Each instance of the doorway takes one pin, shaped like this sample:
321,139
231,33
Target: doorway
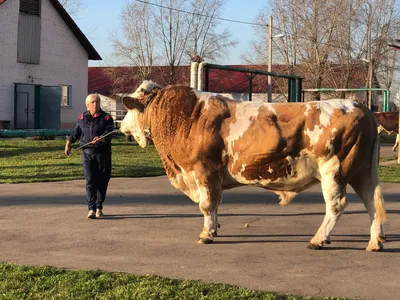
37,106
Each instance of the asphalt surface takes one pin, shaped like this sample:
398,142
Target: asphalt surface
151,228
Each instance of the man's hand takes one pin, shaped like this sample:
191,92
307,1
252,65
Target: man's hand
97,139
67,150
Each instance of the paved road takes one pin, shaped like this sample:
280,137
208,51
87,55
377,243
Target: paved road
151,228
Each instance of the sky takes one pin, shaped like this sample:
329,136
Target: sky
99,19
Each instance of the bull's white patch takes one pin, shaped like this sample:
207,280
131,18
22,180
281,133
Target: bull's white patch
308,108
270,170
131,125
271,108
205,97
146,85
314,134
246,114
329,142
327,108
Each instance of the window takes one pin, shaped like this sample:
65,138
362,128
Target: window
66,95
29,30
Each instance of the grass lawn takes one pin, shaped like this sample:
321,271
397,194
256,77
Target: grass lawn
44,282
23,160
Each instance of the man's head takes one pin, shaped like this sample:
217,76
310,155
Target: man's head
93,103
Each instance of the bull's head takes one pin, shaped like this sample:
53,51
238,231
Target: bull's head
136,104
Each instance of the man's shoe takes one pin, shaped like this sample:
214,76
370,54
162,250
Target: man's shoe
99,213
91,215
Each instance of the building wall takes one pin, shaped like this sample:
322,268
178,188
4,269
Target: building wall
63,61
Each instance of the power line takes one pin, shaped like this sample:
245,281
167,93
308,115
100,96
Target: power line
201,15
223,19
237,21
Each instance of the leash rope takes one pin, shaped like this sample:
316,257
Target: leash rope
100,137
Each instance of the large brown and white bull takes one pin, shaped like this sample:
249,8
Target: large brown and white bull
209,143
388,122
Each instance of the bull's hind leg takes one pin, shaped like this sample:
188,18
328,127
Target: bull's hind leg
333,190
396,143
367,189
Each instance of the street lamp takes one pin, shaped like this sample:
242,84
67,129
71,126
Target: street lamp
270,38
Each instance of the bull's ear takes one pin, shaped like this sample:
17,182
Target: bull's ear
132,103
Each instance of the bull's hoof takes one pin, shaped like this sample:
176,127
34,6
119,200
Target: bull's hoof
374,248
314,246
214,234
328,240
204,241
382,238
218,225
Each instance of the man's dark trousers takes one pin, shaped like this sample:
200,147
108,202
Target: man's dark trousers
97,171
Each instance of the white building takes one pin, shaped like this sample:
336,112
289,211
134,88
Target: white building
43,65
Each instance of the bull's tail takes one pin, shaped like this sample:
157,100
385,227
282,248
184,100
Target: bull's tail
378,197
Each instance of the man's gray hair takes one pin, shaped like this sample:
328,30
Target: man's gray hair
92,97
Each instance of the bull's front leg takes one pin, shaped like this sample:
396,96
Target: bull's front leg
209,201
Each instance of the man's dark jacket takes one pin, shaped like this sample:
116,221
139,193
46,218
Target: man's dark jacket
89,126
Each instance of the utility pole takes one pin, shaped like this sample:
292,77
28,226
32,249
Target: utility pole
269,59
370,76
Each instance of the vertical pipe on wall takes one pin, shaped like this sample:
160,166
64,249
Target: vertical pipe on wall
193,74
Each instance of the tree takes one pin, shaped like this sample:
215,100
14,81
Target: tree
173,32
169,32
204,42
73,7
320,42
136,46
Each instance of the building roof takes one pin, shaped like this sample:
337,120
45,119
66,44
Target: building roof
92,53
111,80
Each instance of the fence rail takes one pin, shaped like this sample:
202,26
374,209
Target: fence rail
118,115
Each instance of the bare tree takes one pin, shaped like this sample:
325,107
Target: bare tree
173,32
169,32
326,48
73,7
136,46
382,22
204,43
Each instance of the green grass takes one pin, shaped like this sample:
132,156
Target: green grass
390,174
45,282
23,160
